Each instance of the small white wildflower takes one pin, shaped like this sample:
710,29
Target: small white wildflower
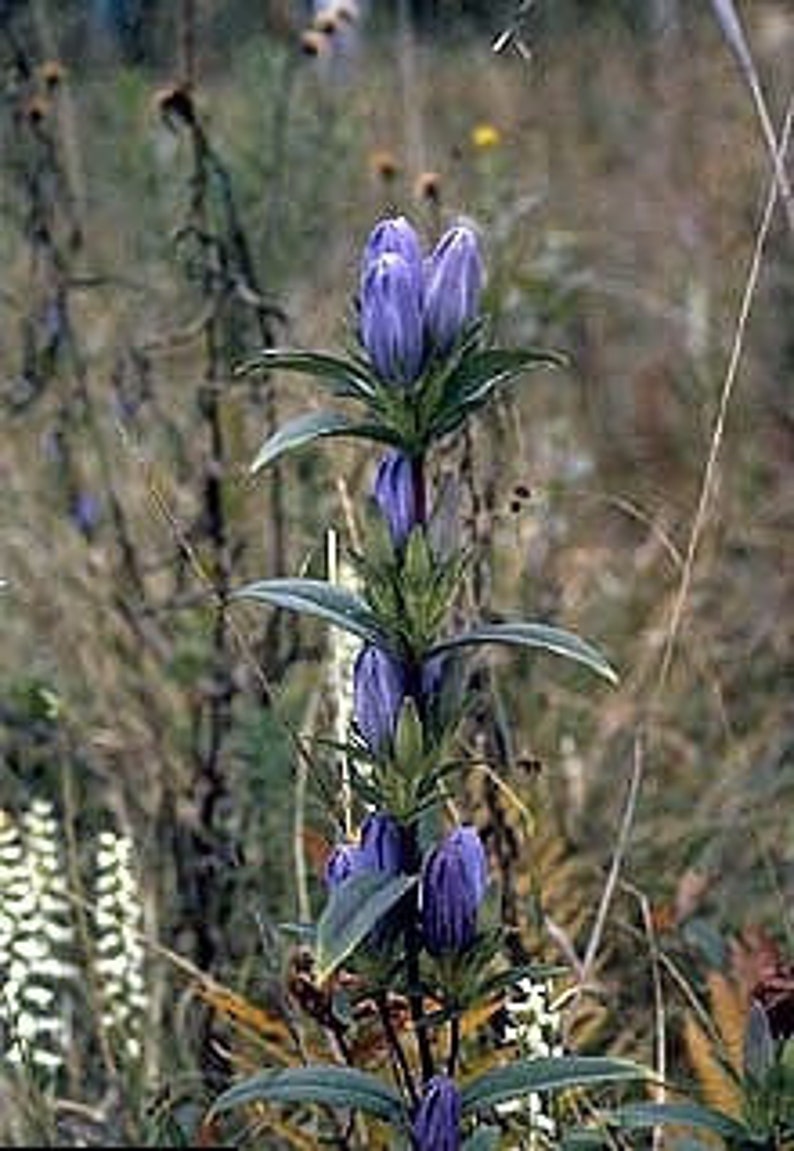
534,1027
120,958
36,936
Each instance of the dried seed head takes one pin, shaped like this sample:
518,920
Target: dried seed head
326,22
428,187
53,73
175,104
384,166
346,11
314,43
37,109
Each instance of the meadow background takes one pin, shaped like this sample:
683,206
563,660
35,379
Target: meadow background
183,184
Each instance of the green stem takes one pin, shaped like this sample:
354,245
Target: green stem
454,1046
412,950
402,1070
420,489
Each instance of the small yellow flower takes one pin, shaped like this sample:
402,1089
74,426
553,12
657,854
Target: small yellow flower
486,136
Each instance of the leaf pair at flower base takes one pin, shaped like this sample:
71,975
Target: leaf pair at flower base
348,611
351,1089
409,420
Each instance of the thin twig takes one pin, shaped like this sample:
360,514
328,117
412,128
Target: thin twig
660,1090
621,846
400,1065
728,20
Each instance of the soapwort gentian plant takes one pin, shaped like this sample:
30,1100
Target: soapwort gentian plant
408,903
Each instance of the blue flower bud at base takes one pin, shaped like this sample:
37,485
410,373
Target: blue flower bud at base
436,1124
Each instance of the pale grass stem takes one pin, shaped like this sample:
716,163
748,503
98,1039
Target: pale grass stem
718,431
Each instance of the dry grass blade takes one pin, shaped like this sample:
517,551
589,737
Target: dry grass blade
718,432
728,19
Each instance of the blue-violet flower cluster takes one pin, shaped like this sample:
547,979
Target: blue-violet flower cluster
414,307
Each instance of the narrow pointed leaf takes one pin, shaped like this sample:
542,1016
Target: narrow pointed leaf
320,1083
641,1116
483,1138
343,377
537,635
336,605
352,910
313,426
484,371
518,1079
480,375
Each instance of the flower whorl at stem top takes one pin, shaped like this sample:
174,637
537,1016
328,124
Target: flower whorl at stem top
454,879
412,307
395,495
436,1125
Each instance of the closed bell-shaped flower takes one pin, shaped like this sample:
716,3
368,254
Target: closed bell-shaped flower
453,286
454,879
391,319
395,495
379,689
436,1124
397,236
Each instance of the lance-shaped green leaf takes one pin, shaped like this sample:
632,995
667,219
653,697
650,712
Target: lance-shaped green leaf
352,910
483,1138
343,377
537,635
313,426
642,1116
330,602
517,1079
319,1083
480,375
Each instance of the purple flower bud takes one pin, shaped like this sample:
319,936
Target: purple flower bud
436,1125
397,236
395,495
382,844
86,513
345,860
433,671
453,885
453,283
378,693
391,318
